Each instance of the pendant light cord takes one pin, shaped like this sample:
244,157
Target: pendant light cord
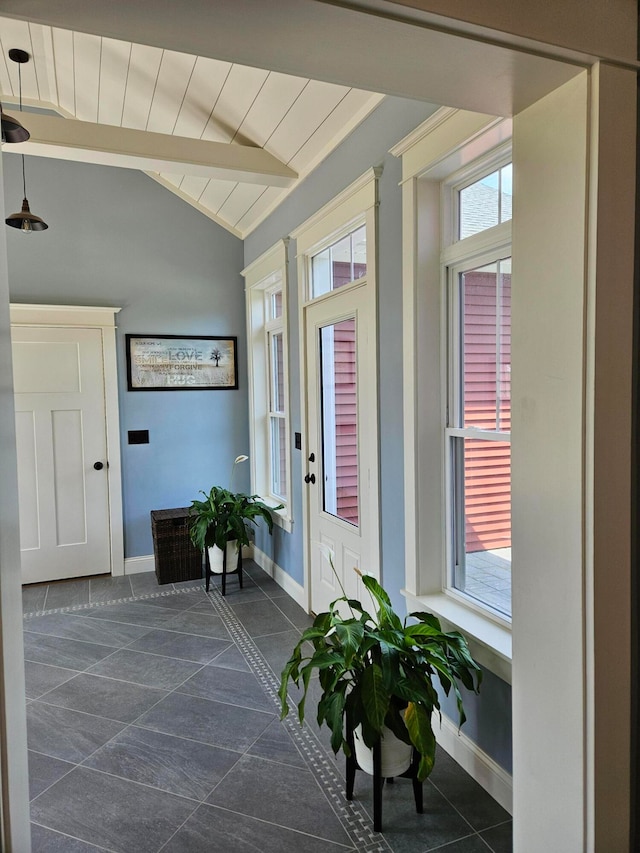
24,180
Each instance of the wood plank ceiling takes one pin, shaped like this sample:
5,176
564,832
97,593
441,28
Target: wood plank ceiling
105,81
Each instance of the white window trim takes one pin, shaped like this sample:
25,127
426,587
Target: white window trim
444,149
263,276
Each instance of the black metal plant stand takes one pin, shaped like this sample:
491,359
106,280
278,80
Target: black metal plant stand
225,572
378,779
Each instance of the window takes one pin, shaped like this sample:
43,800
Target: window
456,180
477,437
485,202
274,343
477,433
339,264
268,380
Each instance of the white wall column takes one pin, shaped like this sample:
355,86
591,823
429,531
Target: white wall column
548,326
15,831
573,240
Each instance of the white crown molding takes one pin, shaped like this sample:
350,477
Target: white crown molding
273,259
422,130
62,315
366,179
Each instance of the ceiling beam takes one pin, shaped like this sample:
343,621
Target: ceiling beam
108,145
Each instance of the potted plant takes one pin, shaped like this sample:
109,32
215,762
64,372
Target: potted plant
377,674
220,521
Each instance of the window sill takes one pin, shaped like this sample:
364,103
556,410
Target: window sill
281,517
489,642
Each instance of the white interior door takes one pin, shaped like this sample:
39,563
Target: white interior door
341,475
61,444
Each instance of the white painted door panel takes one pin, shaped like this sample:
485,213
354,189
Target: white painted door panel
60,426
342,438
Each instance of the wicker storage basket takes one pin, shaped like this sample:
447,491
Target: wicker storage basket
177,559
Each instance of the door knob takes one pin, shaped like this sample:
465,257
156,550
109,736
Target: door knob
98,466
312,457
310,478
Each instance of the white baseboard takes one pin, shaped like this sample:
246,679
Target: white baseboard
279,575
475,761
136,565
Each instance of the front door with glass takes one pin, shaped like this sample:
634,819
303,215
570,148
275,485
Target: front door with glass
341,468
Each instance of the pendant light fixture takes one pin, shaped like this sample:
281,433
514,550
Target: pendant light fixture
24,220
12,130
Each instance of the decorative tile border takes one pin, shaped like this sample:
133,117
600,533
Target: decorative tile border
353,816
73,608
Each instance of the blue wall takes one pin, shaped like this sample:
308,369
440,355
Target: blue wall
117,238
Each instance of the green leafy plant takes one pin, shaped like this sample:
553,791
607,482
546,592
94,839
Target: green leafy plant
378,671
223,516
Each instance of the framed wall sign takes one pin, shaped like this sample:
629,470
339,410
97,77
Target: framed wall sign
181,363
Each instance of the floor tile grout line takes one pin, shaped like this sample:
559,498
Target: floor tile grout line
55,782
128,648
454,807
485,842
126,680
277,825
495,825
135,724
78,640
167,690
148,628
229,705
123,723
454,841
173,834
457,811
347,815
233,766
46,693
156,731
74,837
174,657
146,785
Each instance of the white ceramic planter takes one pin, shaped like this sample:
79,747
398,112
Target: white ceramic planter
215,557
395,754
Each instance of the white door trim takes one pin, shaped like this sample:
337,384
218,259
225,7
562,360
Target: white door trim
103,319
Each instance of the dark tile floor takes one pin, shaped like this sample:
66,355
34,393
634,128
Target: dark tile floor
153,726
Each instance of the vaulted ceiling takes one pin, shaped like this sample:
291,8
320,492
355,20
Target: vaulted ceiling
231,140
